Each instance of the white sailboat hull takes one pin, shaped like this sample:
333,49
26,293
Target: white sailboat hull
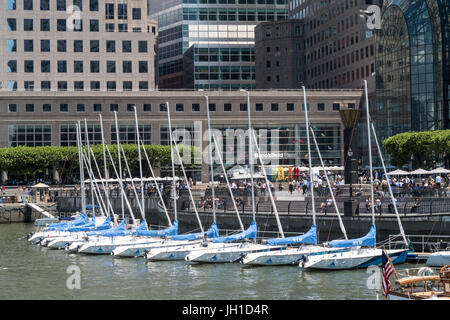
283,256
438,259
228,253
179,252
351,259
106,246
141,249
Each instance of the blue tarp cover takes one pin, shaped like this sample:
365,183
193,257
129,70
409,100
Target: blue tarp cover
369,240
250,233
110,232
92,226
309,237
171,231
213,232
82,219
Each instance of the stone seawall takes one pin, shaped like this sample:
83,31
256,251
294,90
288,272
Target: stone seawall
18,212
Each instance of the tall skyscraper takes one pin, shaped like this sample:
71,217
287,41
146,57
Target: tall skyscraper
79,45
209,44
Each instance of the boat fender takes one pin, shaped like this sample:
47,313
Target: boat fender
241,257
30,235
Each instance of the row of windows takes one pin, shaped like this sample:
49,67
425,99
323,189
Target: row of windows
231,14
278,2
179,107
345,78
78,46
78,66
64,25
78,85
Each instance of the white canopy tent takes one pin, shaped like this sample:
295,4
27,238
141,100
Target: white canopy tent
398,172
440,170
420,172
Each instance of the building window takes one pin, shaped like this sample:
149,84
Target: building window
110,46
93,5
143,46
29,107
143,85
77,45
29,66
136,13
68,134
45,45
162,107
111,86
29,135
28,46
114,107
97,107
127,86
351,106
45,5
147,107
46,107
12,85
274,107
78,66
78,85
11,24
45,66
81,107
109,27
27,4
94,45
63,107
127,134
228,107
45,24
179,107
259,107
303,107
290,107
126,46
111,66
61,25
62,66
28,85
320,107
11,4
122,11
12,66
196,107
95,85
93,25
95,66
143,67
62,85
130,107
45,85
243,107
12,107
212,107
127,66
78,3
61,45
336,107
61,5
27,24
123,27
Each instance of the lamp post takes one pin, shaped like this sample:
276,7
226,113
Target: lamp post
350,119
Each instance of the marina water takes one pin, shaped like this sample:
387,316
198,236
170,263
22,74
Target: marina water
33,272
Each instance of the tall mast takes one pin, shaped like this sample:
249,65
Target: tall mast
119,161
211,163
80,158
311,177
250,155
173,164
390,189
228,183
369,141
138,140
89,160
105,164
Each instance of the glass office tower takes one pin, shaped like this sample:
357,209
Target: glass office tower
412,67
210,44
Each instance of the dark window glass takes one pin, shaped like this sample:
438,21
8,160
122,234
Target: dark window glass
45,85
127,86
63,107
29,85
46,107
143,46
95,85
77,45
61,45
274,107
62,85
127,66
143,67
27,4
61,24
136,13
95,66
45,24
94,45
12,66
27,24
126,46
143,85
110,46
212,107
61,5
81,107
243,107
11,24
78,85
147,107
93,25
45,45
97,107
196,107
45,65
29,66
93,5
320,107
110,66
29,107
290,107
227,107
45,5
179,107
28,45
111,86
78,66
114,107
62,66
12,107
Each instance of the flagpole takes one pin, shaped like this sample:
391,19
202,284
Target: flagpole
395,271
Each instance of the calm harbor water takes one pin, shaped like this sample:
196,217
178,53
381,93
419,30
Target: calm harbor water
32,272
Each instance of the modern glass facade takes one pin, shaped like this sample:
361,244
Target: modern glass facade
412,67
197,35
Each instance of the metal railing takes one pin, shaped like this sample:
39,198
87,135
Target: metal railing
427,243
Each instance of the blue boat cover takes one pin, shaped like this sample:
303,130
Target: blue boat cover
82,219
171,231
250,233
90,206
110,232
309,237
369,240
92,226
213,232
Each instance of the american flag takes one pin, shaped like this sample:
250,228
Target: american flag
387,271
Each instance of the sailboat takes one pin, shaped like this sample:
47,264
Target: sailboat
172,240
363,252
232,250
295,248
